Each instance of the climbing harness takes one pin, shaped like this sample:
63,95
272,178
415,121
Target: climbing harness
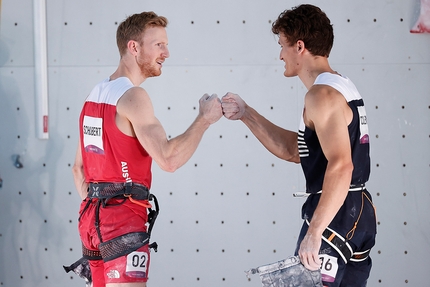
100,194
341,244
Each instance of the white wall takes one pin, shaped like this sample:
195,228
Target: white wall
230,207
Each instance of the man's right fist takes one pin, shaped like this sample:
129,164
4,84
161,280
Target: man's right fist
210,108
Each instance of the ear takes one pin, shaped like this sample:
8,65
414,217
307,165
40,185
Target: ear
300,46
132,47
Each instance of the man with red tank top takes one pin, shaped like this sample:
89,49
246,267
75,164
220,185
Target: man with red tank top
119,138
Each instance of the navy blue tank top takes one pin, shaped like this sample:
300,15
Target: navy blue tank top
314,163
312,158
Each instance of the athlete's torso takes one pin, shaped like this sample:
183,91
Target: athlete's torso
314,163
312,158
108,154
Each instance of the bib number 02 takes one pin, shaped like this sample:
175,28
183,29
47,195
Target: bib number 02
137,263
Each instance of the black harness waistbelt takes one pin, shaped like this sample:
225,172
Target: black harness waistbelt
107,190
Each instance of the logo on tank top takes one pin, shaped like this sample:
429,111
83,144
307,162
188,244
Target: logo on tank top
93,135
364,128
113,274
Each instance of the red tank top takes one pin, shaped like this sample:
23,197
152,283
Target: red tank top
108,154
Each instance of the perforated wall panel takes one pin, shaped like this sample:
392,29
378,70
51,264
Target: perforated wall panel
230,207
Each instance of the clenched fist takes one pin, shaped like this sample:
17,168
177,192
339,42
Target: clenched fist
233,107
210,108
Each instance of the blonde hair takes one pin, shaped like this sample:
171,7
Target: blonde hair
134,26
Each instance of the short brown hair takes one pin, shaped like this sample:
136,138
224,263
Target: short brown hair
309,24
134,26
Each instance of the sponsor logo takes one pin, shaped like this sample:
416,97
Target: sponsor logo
113,274
95,192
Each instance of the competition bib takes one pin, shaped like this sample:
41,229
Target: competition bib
93,135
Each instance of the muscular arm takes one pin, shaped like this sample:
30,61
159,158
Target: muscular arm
327,112
79,176
136,108
280,142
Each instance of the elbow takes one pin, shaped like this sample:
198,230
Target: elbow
346,168
295,158
170,169
168,165
340,169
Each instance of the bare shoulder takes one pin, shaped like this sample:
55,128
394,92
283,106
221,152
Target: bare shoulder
134,98
134,94
323,95
322,102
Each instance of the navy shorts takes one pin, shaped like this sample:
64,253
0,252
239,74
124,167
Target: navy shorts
334,271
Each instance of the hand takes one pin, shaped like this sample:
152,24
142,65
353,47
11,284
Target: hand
309,252
210,108
233,107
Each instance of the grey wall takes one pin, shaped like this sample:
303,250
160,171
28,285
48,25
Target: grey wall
230,207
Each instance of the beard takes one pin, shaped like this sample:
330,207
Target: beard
147,67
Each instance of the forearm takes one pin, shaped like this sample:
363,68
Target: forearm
280,142
79,175
80,183
178,151
334,191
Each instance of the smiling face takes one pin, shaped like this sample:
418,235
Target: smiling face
152,51
289,54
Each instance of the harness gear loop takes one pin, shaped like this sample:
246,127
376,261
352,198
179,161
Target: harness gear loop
144,203
152,216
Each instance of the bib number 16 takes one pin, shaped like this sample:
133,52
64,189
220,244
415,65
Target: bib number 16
328,267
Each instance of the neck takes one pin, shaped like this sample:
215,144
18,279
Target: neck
311,68
128,68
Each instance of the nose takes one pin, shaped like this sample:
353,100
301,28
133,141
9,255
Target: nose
166,53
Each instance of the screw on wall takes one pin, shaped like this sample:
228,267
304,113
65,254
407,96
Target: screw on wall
16,162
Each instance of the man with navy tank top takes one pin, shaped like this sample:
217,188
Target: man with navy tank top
332,146
119,138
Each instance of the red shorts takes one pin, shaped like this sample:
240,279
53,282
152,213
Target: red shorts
116,219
